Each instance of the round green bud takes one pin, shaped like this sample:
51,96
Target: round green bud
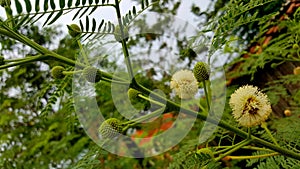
133,94
137,102
2,62
201,71
74,30
295,46
110,128
118,34
206,151
57,72
92,74
5,3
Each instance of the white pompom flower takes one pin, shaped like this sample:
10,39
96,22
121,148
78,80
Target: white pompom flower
184,83
250,106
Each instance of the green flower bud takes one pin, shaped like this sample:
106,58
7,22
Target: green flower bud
110,128
206,151
133,94
57,72
118,34
2,62
136,101
201,71
92,74
5,3
74,30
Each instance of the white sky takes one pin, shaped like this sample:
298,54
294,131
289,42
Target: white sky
108,14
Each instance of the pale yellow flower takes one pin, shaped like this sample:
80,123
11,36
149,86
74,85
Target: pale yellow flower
184,83
297,71
250,106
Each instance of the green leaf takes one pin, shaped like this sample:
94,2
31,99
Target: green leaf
134,10
70,3
84,12
56,17
18,6
93,10
37,5
90,2
62,3
109,27
77,3
101,24
87,23
97,1
52,4
28,6
142,4
83,2
103,1
22,20
94,25
81,25
77,13
46,5
130,15
48,18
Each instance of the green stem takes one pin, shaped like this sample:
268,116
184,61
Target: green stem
11,33
16,60
24,61
224,150
150,100
264,125
115,81
206,94
144,118
251,157
82,51
71,72
245,147
124,46
235,148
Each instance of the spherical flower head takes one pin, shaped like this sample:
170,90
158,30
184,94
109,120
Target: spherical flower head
136,102
110,128
133,94
92,74
74,30
297,71
184,84
201,71
250,106
57,72
118,34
